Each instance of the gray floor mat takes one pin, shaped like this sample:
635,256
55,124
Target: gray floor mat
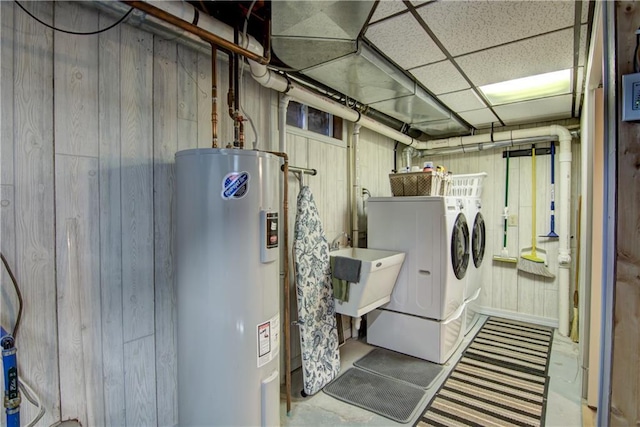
401,367
392,399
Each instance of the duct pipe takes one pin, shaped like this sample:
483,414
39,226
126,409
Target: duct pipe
355,199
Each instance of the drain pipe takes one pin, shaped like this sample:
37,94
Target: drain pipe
283,104
484,147
355,198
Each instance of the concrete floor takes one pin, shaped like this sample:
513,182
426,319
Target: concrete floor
563,402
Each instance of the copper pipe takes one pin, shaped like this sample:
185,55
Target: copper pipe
214,96
230,94
194,29
287,302
240,121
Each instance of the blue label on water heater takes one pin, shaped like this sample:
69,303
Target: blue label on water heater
235,185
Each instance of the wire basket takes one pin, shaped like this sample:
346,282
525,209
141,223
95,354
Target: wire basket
467,185
415,184
445,184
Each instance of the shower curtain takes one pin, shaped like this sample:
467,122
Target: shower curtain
316,309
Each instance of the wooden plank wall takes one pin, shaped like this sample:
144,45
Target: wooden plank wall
625,372
504,289
90,126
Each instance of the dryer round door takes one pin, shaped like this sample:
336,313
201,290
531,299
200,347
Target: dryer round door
478,240
460,246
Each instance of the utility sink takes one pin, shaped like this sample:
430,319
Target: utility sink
378,276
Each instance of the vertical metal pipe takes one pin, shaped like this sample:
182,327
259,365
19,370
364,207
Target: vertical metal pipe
214,96
287,299
355,200
237,134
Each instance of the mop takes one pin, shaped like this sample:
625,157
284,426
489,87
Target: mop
552,233
529,260
504,253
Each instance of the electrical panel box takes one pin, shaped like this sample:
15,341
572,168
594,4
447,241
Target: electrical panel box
631,97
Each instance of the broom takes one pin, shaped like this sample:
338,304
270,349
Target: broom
529,261
574,335
504,253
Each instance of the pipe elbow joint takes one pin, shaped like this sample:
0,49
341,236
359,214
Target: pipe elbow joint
564,259
561,131
409,150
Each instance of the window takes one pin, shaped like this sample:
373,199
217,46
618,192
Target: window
317,121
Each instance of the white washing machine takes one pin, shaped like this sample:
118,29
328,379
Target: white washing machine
425,317
477,243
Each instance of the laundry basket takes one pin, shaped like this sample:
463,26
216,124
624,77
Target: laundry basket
415,184
467,185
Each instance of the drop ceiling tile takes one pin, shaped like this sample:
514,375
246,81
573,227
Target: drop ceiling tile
583,45
404,41
468,26
556,107
418,3
479,118
464,100
441,77
537,55
387,8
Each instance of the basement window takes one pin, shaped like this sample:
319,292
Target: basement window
314,120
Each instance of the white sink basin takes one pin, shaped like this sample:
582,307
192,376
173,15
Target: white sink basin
378,276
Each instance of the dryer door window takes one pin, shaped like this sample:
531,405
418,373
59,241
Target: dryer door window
478,240
460,247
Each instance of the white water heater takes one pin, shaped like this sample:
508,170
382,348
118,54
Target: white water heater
227,287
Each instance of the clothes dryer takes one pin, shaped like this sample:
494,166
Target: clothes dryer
425,317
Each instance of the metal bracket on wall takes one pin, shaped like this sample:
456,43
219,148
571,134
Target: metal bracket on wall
527,152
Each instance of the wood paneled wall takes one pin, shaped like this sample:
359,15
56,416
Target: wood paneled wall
90,126
625,366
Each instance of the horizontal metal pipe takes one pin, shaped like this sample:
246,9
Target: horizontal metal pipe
305,171
194,29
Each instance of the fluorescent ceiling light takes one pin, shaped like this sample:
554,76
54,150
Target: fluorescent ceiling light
532,87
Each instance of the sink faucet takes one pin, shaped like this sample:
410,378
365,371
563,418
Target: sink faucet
335,244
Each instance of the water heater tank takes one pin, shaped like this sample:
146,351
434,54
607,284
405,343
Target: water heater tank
227,287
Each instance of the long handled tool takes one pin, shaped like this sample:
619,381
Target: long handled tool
529,260
574,335
552,233
504,253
